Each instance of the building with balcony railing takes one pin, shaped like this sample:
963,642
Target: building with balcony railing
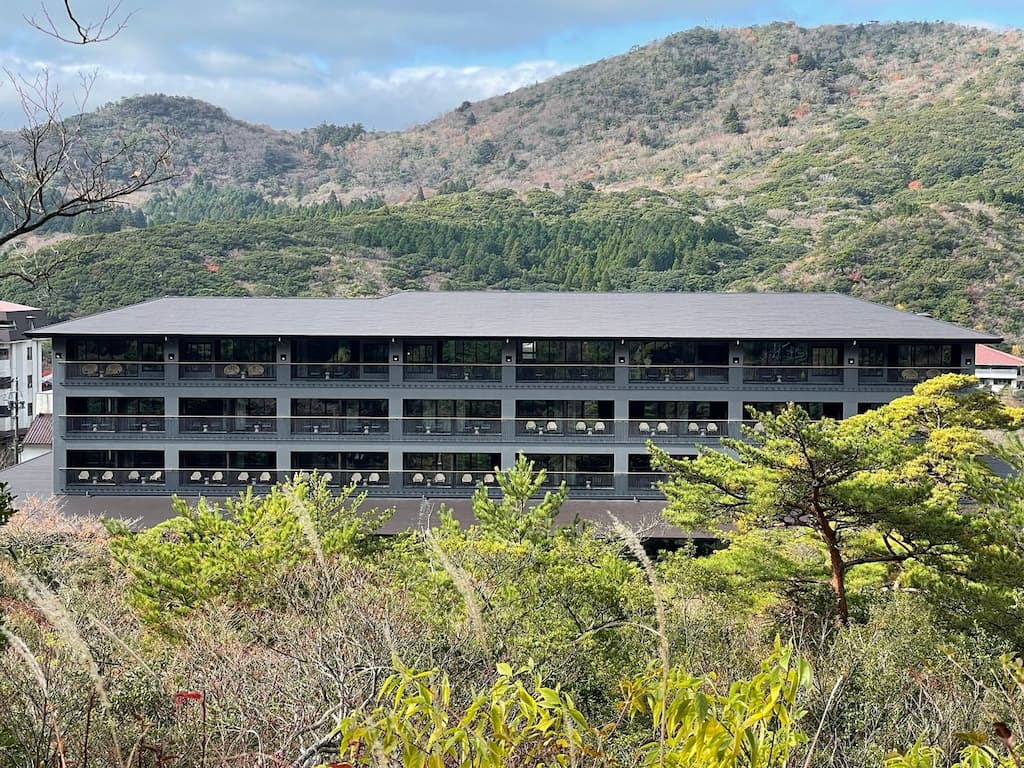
425,394
21,368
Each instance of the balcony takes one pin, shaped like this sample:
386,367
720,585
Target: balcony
261,371
85,370
547,372
686,429
451,372
227,478
798,375
409,429
461,425
108,423
339,371
93,476
565,427
679,374
245,425
339,425
907,376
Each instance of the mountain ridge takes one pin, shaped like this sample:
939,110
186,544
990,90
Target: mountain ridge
882,161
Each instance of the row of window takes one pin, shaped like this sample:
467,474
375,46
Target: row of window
340,351
370,409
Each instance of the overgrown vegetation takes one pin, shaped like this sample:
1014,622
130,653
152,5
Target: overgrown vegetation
279,630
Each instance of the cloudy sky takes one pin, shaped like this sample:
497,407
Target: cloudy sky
385,63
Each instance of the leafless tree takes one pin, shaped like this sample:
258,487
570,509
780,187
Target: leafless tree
82,33
52,168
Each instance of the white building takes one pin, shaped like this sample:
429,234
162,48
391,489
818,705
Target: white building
21,367
997,370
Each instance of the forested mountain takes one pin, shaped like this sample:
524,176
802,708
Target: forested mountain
878,160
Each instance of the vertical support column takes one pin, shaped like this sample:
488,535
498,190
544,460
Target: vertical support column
60,411
736,363
395,469
851,378
172,360
283,361
622,365
508,419
395,362
396,418
508,365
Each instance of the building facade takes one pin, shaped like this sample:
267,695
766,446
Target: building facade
425,394
21,367
997,370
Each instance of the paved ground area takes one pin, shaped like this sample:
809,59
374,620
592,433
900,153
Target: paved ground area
35,478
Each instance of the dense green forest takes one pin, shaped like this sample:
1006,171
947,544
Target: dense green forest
958,262
865,607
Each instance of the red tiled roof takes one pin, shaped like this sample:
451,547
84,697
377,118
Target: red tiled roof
986,355
40,432
10,306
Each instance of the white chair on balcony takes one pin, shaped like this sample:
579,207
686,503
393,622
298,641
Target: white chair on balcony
328,477
107,476
440,478
662,428
84,475
552,426
693,428
157,476
581,426
644,428
488,479
599,428
264,477
467,479
195,477
217,477
417,478
357,477
374,478
134,476
243,477
712,428
531,426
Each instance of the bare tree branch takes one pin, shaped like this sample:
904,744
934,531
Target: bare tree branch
82,33
52,169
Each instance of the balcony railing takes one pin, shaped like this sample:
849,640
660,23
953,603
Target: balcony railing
339,425
262,371
90,476
908,376
115,423
549,372
339,371
107,369
679,428
207,476
645,481
553,426
370,428
227,424
451,425
792,374
451,372
679,374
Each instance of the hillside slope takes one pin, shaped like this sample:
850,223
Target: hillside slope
879,160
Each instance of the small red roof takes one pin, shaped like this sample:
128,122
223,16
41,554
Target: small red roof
41,431
10,306
986,355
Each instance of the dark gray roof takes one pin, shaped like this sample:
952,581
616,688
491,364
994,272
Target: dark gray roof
495,314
